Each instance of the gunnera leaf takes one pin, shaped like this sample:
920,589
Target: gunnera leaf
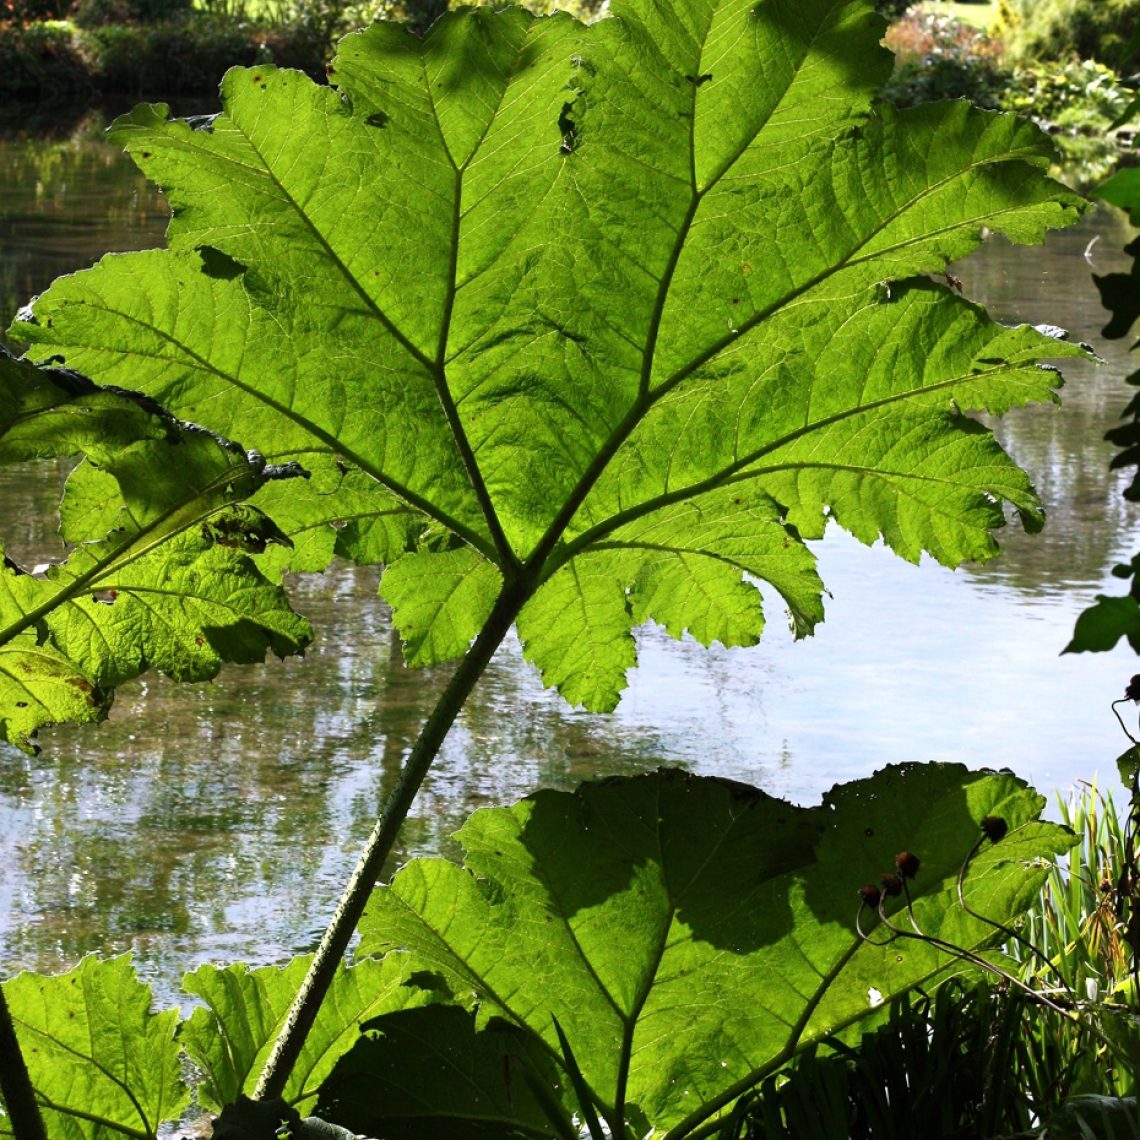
160,574
605,321
102,1064
690,934
230,1036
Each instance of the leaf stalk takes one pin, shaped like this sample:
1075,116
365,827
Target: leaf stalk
16,1084
334,943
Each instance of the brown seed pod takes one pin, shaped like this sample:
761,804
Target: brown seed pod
870,895
1132,689
907,863
892,885
994,828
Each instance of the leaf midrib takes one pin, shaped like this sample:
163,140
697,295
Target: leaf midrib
647,398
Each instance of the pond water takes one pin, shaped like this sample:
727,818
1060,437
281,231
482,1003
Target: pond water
217,821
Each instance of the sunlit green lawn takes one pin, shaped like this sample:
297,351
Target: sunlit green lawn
980,15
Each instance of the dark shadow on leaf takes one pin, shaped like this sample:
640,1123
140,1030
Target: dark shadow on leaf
430,1074
713,852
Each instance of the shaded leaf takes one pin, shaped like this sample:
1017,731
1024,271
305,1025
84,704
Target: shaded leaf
230,1037
1102,625
161,574
690,934
428,1072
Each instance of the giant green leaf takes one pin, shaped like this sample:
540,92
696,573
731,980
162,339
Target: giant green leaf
229,1037
690,934
595,325
102,1065
160,574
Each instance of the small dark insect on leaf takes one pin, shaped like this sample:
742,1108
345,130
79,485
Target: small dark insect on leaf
892,885
955,283
907,863
994,828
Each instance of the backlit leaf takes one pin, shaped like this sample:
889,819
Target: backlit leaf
230,1036
161,573
102,1064
604,322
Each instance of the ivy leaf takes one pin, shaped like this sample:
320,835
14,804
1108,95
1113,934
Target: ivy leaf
229,1038
101,1063
690,934
611,319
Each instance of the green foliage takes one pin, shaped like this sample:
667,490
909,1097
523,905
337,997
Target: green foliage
23,12
942,1066
940,57
41,60
97,13
619,443
1110,618
1086,934
187,55
102,1064
1076,101
229,1036
160,574
687,935
573,328
1089,29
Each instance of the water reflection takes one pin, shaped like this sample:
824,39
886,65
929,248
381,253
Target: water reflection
218,821
67,198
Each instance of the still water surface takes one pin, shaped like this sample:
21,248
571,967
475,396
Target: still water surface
218,821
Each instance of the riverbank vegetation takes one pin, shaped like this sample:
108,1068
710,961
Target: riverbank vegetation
1066,63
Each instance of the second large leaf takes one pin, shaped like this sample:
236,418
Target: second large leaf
688,935
621,313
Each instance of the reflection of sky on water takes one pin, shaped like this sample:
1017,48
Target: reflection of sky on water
219,821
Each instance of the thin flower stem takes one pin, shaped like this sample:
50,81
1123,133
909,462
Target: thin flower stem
964,954
1011,934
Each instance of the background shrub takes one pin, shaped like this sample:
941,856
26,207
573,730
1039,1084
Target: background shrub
938,57
190,55
25,11
99,13
1062,29
41,61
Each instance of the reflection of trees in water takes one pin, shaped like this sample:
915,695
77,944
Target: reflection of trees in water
66,201
1088,525
233,810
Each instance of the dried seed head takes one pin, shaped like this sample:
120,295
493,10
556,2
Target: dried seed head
892,885
906,863
1132,689
870,895
994,828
